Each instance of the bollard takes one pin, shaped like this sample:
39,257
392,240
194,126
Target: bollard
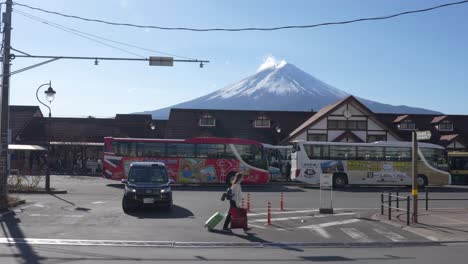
242,204
282,202
381,204
389,206
427,199
269,214
407,209
398,200
248,202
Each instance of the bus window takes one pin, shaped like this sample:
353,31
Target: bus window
252,155
436,157
342,152
181,150
149,149
313,151
397,154
370,153
210,150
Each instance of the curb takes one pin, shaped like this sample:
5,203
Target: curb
39,191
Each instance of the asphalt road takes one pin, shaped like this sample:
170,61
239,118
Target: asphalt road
88,224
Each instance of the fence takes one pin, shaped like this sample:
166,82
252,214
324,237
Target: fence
388,204
426,198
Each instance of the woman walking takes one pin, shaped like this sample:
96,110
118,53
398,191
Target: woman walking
235,199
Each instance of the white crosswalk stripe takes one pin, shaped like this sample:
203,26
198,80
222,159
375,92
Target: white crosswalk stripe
390,235
356,234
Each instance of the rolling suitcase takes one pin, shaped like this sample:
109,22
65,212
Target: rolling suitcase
214,220
238,218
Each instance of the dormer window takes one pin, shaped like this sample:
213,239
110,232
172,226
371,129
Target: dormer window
445,125
207,121
262,122
407,125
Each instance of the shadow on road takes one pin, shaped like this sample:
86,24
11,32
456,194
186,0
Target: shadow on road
159,213
77,208
221,188
10,228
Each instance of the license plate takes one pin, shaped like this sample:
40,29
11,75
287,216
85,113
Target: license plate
148,200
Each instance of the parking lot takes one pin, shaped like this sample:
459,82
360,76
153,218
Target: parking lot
91,213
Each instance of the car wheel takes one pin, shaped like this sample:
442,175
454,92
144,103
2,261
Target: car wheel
126,206
339,181
421,181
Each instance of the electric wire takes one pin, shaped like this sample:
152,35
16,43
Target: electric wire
53,24
248,28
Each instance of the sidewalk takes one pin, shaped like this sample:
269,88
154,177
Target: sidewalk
444,225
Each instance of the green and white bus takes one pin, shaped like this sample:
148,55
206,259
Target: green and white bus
379,163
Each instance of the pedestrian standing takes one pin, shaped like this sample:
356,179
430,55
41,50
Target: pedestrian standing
235,199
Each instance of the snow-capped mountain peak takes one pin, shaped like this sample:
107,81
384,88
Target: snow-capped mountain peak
279,85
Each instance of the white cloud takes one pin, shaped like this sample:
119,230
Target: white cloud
270,61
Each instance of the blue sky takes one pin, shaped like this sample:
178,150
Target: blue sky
418,60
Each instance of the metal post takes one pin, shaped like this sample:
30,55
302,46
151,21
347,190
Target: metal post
381,203
407,210
47,179
397,199
282,202
415,177
389,206
427,199
5,97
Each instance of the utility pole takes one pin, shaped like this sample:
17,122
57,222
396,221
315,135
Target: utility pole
5,98
415,177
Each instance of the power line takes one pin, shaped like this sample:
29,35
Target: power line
53,24
249,28
78,34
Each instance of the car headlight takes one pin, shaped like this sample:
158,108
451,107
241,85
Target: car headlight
130,190
166,190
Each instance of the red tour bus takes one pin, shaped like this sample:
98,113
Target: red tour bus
194,160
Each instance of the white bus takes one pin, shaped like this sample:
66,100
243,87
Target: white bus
278,157
379,163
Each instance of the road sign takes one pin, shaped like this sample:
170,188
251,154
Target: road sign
326,180
423,135
161,61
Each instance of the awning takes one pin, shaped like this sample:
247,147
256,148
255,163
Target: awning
60,143
26,147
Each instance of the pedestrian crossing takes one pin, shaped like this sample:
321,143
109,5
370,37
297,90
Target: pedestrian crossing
344,227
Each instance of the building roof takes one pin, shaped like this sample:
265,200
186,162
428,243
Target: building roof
400,118
438,119
184,123
20,116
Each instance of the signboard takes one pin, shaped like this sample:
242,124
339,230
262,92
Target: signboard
423,135
326,180
161,61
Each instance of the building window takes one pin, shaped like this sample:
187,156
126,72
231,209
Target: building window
407,125
375,138
347,124
446,126
207,121
317,137
262,122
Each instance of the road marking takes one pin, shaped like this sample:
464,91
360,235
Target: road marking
328,224
99,202
39,205
390,235
257,226
355,234
73,215
299,217
321,232
39,215
83,242
285,212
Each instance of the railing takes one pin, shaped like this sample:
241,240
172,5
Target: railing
426,198
388,204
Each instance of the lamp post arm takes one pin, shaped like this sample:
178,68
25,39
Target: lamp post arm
37,96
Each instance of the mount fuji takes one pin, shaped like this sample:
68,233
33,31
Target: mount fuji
278,85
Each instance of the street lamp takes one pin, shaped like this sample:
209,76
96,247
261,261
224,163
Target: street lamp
50,96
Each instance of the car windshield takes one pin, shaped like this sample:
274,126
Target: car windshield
147,174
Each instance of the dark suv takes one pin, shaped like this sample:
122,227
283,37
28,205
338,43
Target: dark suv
148,185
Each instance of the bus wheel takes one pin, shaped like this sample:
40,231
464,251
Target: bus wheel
229,178
339,180
422,180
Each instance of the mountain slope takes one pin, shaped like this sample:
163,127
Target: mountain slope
279,86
